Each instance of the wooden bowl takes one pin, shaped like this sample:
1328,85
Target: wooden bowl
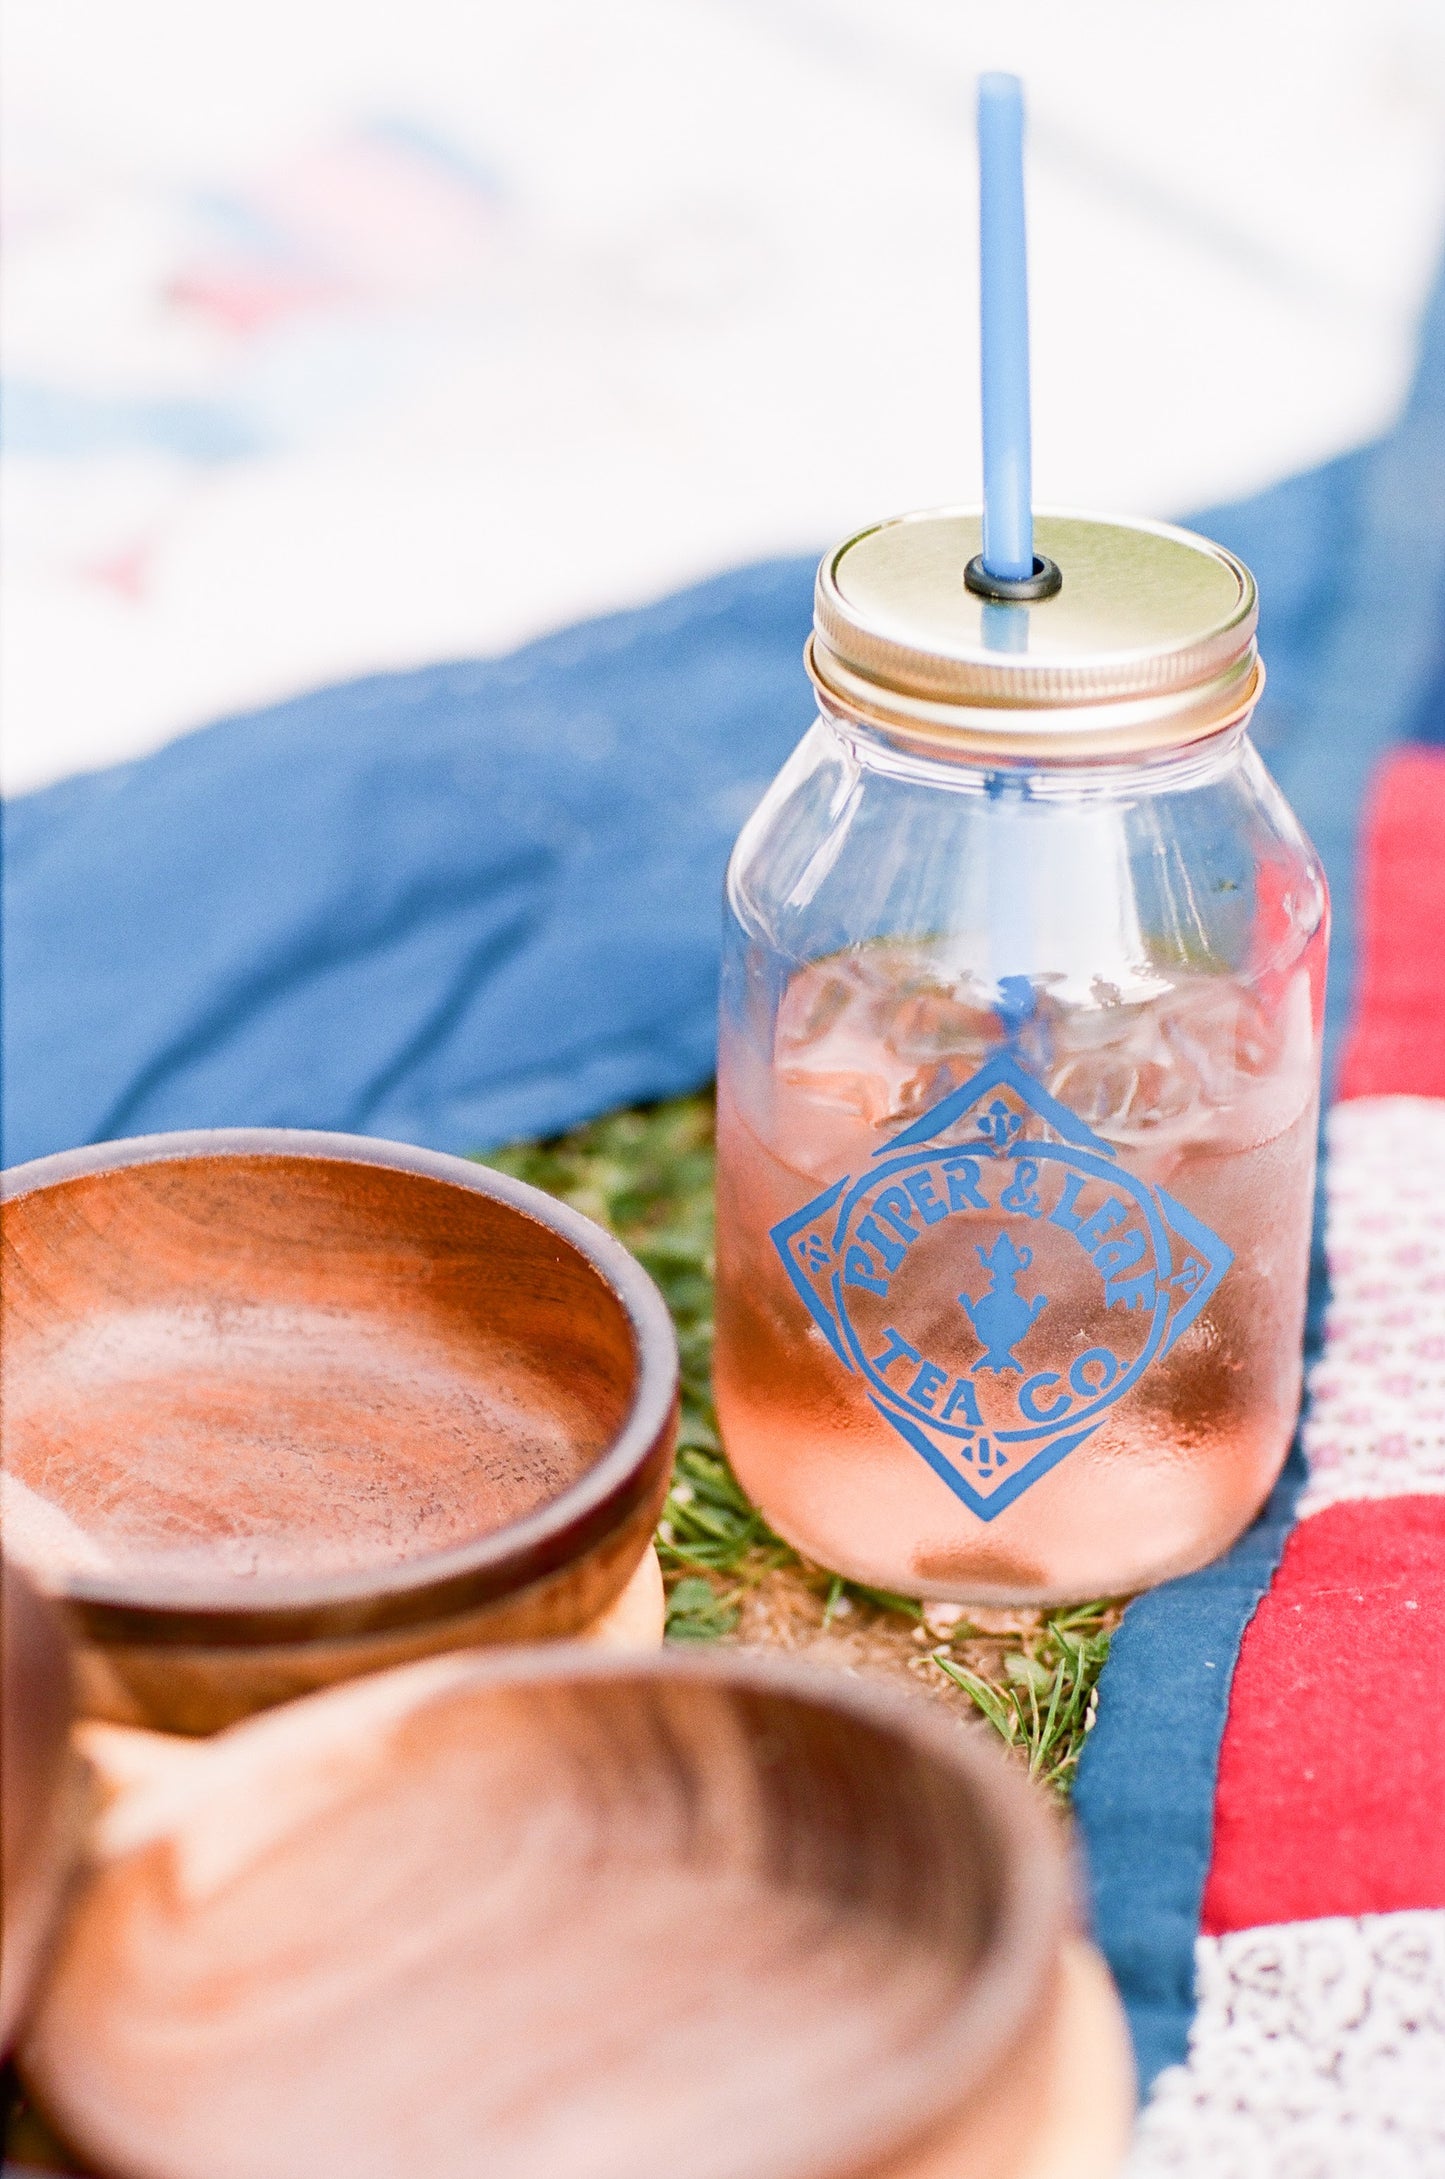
282,1408
40,1801
554,1915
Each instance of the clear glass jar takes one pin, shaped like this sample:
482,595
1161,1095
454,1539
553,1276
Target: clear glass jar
1017,1103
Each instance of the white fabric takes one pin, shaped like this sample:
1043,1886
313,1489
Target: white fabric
1376,1427
1318,2052
352,335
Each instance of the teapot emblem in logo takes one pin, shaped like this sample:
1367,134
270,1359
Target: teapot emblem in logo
1003,1316
998,1281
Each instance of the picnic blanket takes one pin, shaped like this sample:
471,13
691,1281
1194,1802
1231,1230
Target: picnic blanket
1267,1851
481,901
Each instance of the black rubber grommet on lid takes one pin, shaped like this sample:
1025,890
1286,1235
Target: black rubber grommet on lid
1045,582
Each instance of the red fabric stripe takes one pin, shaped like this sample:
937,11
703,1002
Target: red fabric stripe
1397,1040
1332,1774
1331,1796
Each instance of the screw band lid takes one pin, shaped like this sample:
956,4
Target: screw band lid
1147,641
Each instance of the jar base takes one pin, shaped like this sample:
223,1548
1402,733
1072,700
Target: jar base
1006,1597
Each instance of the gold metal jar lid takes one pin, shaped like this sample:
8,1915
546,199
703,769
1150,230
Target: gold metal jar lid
1147,644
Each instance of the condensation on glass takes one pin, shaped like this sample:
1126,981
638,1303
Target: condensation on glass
1019,1077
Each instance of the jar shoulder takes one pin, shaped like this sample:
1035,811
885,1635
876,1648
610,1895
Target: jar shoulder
1076,873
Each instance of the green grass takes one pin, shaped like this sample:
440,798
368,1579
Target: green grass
1044,1703
648,1176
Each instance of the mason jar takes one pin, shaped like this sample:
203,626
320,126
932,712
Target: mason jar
1018,1077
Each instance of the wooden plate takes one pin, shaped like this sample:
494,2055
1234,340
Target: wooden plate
284,1408
556,1915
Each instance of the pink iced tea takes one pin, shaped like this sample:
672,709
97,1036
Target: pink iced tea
1010,1306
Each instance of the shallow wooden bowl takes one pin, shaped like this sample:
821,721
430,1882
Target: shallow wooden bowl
550,1915
282,1408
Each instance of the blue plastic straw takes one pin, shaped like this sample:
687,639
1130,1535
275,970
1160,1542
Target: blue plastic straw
1008,522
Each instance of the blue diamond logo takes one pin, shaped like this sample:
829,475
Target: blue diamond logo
998,1281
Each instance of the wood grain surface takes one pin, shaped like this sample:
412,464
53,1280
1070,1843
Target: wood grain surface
572,1916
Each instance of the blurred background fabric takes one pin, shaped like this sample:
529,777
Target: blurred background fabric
340,338
454,907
